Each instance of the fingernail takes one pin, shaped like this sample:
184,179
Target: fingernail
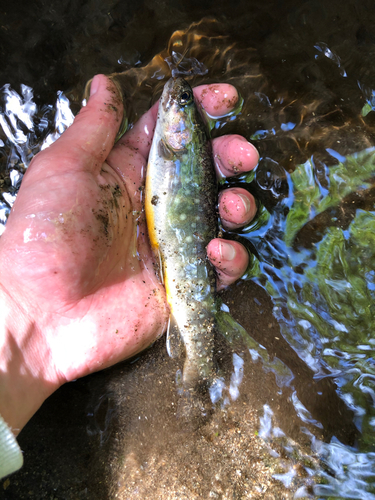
227,251
94,85
246,202
219,165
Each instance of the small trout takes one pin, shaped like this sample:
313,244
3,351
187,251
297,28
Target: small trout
181,194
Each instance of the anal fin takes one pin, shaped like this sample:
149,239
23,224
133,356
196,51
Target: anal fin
175,343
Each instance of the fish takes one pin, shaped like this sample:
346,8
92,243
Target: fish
181,214
182,217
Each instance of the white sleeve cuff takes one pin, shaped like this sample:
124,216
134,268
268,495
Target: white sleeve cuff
11,458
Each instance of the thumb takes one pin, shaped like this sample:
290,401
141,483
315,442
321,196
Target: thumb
86,144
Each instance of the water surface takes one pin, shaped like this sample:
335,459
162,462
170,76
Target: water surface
305,382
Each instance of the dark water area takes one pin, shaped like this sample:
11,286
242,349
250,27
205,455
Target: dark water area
305,408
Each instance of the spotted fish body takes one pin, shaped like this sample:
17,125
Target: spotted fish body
181,191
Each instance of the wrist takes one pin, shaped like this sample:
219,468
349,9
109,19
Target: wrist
26,369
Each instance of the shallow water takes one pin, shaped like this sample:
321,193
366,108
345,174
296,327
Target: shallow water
305,72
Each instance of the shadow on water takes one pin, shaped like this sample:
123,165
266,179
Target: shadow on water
300,404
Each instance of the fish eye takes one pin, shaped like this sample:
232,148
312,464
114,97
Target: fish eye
185,98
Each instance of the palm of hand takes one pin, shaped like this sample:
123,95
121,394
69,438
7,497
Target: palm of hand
79,255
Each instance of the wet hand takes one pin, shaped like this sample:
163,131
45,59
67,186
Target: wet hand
78,286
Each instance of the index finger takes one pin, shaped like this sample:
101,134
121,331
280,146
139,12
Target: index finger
216,99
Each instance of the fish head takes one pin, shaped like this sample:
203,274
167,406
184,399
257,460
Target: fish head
177,115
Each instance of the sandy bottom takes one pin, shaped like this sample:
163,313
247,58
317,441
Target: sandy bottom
117,435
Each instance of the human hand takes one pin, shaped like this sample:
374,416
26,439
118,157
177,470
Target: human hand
78,283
